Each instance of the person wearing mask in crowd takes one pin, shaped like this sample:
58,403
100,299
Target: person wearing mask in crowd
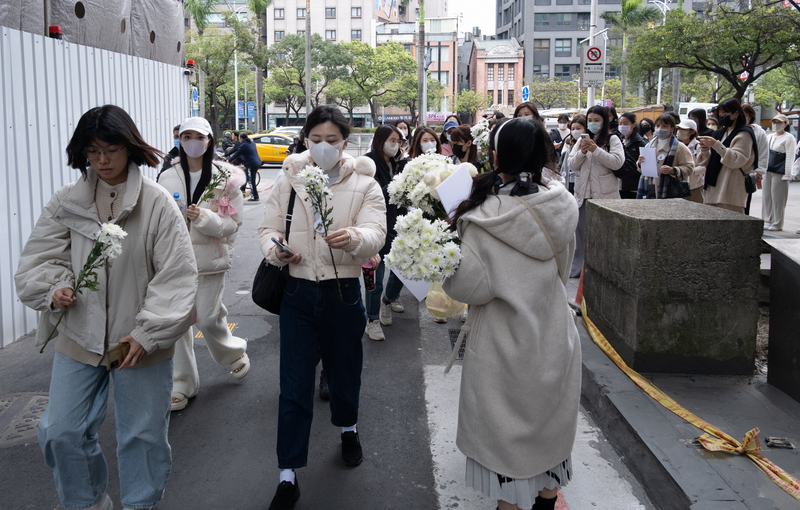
252,162
447,144
213,224
781,147
728,157
173,152
527,110
646,127
424,140
595,157
464,150
380,304
227,143
144,299
405,131
577,127
675,161
713,125
320,309
514,224
687,134
559,135
700,118
763,152
613,120
629,174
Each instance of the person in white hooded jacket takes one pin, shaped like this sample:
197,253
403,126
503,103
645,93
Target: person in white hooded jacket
521,377
319,310
213,219
144,298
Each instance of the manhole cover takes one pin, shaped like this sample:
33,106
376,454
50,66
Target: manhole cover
19,417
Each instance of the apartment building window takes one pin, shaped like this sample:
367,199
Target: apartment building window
278,35
564,19
355,12
499,97
563,71
578,47
443,77
541,70
330,12
278,13
301,33
499,72
541,20
301,13
330,35
541,45
563,47
584,2
583,20
511,99
445,55
490,72
355,35
510,72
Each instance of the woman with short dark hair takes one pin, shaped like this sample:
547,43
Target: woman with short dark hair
464,150
144,300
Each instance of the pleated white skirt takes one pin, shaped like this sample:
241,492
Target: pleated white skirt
519,492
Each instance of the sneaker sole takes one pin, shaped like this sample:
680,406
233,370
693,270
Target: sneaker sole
354,464
387,323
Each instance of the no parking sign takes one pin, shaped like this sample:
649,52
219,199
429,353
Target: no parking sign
593,70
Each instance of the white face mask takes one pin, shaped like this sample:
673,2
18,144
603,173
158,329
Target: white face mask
562,127
428,146
576,133
625,129
194,148
325,155
390,149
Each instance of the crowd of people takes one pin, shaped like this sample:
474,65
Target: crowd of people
525,216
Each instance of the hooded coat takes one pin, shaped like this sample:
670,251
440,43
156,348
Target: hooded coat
521,377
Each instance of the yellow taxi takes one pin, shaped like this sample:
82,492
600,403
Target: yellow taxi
272,148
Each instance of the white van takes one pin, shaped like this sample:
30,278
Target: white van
685,108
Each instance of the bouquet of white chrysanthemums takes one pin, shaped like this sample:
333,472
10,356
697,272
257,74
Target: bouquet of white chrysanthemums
480,137
424,249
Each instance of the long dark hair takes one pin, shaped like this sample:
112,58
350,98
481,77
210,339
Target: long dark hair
729,106
601,138
631,117
521,146
530,106
205,176
702,119
113,125
461,135
382,133
416,147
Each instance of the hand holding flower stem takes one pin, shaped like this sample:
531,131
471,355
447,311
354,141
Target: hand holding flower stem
314,180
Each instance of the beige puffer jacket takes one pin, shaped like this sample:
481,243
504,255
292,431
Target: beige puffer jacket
212,234
147,292
358,206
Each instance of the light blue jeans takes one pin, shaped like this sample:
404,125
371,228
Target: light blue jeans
68,431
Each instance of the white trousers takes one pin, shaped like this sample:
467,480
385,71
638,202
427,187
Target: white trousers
212,322
773,203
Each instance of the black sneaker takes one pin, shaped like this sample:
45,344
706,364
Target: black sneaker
323,386
286,496
351,449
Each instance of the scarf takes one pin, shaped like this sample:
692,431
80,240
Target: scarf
643,191
714,166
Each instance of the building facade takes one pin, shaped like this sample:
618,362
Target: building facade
494,69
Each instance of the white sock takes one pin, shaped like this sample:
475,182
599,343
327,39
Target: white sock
287,475
348,429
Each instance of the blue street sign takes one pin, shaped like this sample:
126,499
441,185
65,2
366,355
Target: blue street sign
251,110
194,95
526,93
240,109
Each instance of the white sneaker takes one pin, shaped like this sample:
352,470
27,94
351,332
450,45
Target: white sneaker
464,316
397,307
773,228
104,503
374,330
386,313
440,320
767,226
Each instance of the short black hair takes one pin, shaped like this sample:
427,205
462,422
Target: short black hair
667,119
733,105
113,125
563,117
674,115
499,115
327,113
701,117
177,128
244,135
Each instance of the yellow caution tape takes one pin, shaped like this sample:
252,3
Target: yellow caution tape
231,325
714,439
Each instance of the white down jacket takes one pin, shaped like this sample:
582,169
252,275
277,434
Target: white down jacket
147,292
212,233
358,206
595,170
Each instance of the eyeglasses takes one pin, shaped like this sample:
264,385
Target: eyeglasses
93,154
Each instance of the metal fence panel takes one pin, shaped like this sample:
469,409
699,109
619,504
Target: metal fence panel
45,86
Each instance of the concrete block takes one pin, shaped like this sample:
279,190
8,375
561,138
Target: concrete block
784,317
673,285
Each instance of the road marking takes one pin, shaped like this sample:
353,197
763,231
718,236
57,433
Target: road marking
231,325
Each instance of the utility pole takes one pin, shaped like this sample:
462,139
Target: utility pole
308,58
676,75
421,73
592,35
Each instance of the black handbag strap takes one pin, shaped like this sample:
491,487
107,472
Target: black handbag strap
289,211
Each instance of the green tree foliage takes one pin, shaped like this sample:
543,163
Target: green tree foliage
200,10
373,70
470,102
283,90
729,42
403,93
554,92
346,94
778,86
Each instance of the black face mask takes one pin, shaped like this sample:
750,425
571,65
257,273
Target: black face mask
645,127
725,121
458,151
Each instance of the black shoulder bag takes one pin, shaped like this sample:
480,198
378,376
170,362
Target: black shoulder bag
270,280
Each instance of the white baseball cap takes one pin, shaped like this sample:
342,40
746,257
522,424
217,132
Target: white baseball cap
198,124
688,124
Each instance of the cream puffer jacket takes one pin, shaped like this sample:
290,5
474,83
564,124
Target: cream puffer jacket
147,292
358,206
595,170
213,233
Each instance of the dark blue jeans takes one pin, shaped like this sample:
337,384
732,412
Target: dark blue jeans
251,179
312,316
373,297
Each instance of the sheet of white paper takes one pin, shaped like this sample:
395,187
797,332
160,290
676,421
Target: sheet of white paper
455,189
418,288
650,163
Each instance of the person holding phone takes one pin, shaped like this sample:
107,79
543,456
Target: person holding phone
594,158
144,299
319,310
